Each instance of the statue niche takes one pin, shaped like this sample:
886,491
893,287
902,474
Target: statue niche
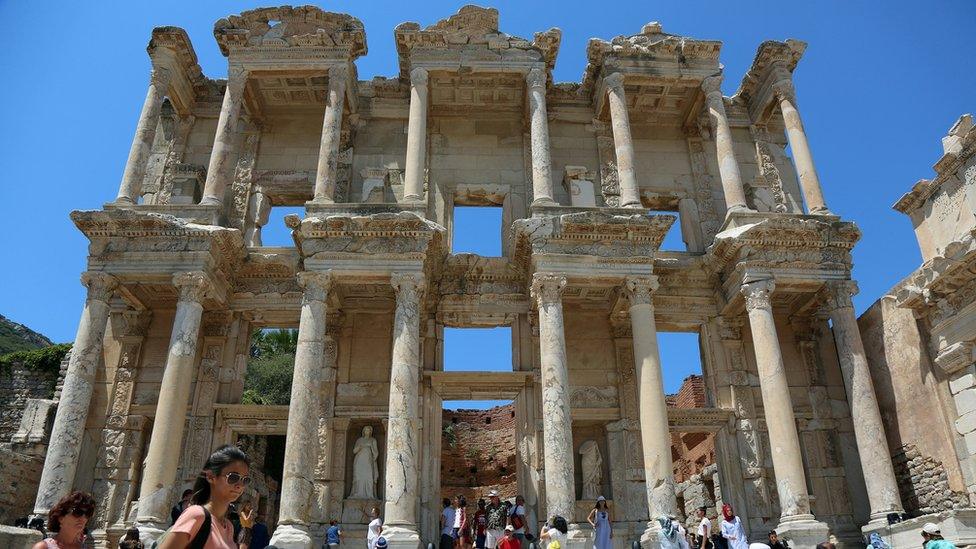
365,470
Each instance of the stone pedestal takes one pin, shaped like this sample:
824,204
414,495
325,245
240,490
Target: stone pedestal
325,174
135,166
414,170
622,141
869,431
402,449
58,474
557,430
957,526
302,440
219,171
159,472
542,191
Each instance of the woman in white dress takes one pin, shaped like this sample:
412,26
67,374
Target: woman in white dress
364,469
732,529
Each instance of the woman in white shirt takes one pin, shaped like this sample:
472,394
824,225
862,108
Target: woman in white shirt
732,529
374,528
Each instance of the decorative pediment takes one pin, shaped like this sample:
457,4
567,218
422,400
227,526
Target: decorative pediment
287,26
473,33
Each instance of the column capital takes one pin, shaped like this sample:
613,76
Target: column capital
785,91
236,79
758,294
712,85
100,285
614,81
160,76
837,295
536,78
193,285
338,74
315,284
418,77
409,287
640,289
547,287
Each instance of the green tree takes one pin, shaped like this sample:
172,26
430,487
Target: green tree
270,367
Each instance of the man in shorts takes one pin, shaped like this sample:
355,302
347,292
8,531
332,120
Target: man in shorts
495,519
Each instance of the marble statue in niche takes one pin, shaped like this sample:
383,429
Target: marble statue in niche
364,468
591,464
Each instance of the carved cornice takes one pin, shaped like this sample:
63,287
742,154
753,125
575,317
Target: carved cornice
101,286
547,288
943,285
758,294
402,233
294,27
956,357
959,147
175,41
771,56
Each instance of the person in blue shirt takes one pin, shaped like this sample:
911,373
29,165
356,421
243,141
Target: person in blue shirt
260,537
333,536
933,537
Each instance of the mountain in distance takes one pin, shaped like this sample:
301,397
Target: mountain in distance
17,337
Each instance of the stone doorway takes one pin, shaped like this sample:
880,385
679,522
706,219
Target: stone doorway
478,450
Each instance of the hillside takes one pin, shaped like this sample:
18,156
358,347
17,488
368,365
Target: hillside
17,337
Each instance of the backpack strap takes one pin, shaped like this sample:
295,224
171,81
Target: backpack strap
199,541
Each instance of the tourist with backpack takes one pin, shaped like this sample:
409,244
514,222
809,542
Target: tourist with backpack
205,524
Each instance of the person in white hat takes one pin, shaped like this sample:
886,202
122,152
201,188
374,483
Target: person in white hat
933,537
495,517
509,541
602,524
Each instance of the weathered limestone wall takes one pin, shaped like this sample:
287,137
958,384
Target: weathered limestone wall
19,475
482,455
913,401
18,384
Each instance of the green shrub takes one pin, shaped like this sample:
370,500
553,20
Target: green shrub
46,359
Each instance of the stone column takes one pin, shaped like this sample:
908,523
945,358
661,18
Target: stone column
557,431
728,168
325,174
302,440
221,165
807,173
413,177
784,442
622,141
61,461
135,166
872,446
655,434
162,459
403,430
542,192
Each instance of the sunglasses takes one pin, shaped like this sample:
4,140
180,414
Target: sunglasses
235,478
81,511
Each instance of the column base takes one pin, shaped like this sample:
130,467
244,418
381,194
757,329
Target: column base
292,536
401,536
210,201
649,539
577,538
802,531
321,200
543,201
150,532
821,211
123,201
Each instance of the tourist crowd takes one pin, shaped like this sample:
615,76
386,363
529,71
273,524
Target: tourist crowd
207,517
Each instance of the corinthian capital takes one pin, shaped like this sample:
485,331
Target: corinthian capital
758,294
536,78
316,285
712,85
547,287
409,287
193,286
160,77
100,286
615,82
418,77
338,74
640,289
236,79
784,91
837,295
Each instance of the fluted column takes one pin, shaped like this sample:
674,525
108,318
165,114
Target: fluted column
135,166
557,423
802,157
220,170
784,441
728,167
403,430
159,472
869,431
655,434
302,440
325,174
413,184
61,461
622,141
542,192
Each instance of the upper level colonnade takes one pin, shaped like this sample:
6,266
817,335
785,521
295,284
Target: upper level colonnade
224,152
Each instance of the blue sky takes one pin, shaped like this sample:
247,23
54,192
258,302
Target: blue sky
880,84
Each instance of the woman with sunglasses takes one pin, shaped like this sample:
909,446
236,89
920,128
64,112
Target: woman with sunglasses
67,521
204,524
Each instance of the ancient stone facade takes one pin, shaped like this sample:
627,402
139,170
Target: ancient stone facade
920,340
178,279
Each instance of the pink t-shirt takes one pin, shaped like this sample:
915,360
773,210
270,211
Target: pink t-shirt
190,522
